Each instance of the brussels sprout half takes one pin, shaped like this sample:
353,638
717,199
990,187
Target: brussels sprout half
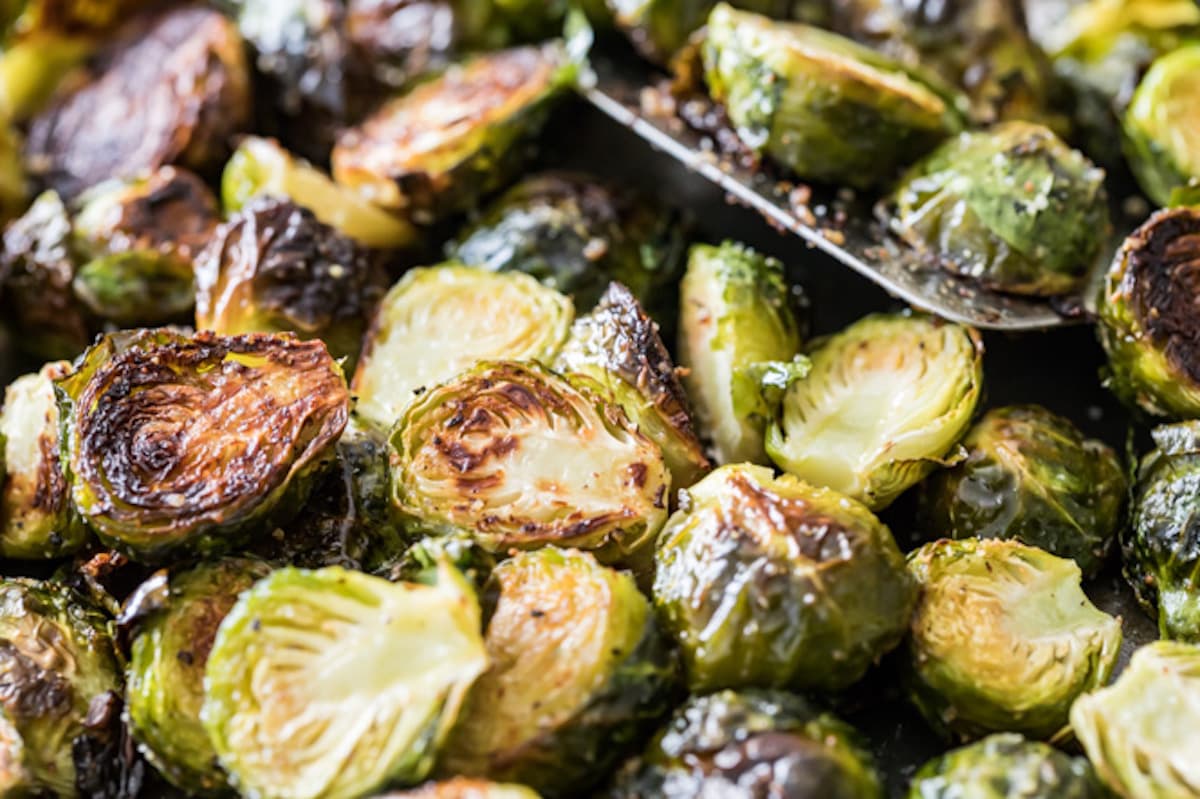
1003,638
462,788
1031,475
1140,732
884,405
1006,765
331,683
438,321
176,445
1162,124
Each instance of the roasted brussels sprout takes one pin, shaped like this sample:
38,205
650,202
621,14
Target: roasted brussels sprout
1146,316
885,404
1013,207
1006,765
176,616
1031,475
1161,123
579,668
176,444
1139,732
36,517
436,322
463,788
1003,638
752,745
332,683
736,323
760,579
522,458
404,39
819,104
274,267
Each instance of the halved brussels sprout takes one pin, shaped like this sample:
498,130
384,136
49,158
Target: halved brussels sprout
37,521
821,105
760,579
438,321
260,166
176,444
1003,638
1162,124
884,405
1006,765
1031,475
1146,315
522,458
579,668
1140,732
736,323
463,788
273,267
177,616
1013,207
331,683
753,744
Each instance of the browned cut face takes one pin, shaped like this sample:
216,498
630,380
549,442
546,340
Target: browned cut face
1163,281
818,537
173,211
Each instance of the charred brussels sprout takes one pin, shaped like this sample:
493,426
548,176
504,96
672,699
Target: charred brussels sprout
176,444
463,788
579,668
1031,475
760,580
1139,732
177,616
885,404
1162,124
331,683
817,103
1006,765
522,458
436,322
1013,207
1003,638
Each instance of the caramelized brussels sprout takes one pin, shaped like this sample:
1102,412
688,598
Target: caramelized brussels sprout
736,323
436,322
522,458
885,404
760,579
1139,732
463,788
751,745
1031,475
1162,122
177,616
169,89
1006,765
331,683
1013,207
36,517
579,668
176,444
819,104
273,267
1003,638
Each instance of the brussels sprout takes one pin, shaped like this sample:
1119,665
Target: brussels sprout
579,668
1006,765
752,745
1147,319
819,104
273,267
735,321
522,458
421,561
177,616
760,579
885,404
1013,207
1139,732
463,788
260,166
1031,475
36,517
576,234
1003,638
436,322
168,89
1161,123
432,151
175,445
404,39
332,683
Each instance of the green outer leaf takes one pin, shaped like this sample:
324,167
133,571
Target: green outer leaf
1006,765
